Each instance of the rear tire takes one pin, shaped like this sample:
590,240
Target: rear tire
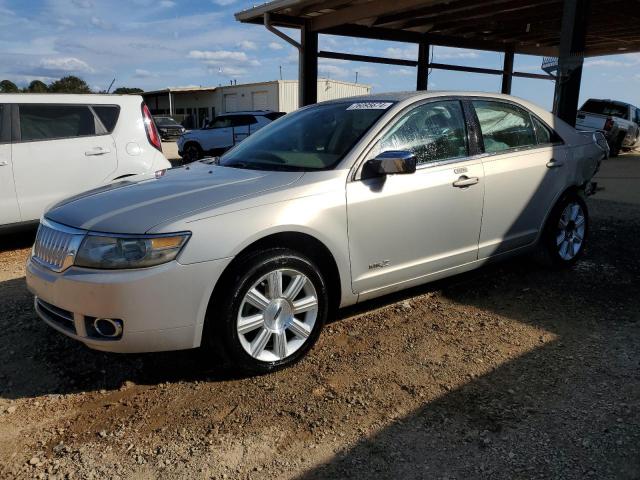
566,231
617,146
268,313
192,152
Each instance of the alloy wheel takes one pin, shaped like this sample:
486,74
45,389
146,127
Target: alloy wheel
277,315
571,231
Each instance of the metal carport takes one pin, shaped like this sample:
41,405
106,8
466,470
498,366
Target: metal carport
567,29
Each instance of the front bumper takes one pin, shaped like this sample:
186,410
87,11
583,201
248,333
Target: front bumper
161,308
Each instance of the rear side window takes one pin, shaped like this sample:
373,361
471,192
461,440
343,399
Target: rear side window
108,115
504,126
433,132
242,120
46,122
602,107
544,134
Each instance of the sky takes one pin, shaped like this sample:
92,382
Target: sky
154,44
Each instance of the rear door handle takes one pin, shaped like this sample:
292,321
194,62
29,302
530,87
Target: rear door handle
554,164
464,181
97,151
4,163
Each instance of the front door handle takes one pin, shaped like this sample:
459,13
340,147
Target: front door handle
97,151
464,181
554,164
4,163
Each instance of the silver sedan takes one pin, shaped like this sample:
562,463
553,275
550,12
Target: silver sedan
339,202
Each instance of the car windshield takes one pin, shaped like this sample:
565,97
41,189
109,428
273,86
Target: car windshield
165,121
605,108
314,138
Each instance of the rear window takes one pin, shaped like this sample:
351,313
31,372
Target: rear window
45,122
274,115
108,115
605,108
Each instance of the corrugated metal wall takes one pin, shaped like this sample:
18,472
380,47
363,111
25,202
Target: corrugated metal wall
244,97
278,95
327,90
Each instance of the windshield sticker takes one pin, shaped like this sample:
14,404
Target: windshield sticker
370,106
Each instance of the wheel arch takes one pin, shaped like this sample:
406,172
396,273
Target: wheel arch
570,190
303,243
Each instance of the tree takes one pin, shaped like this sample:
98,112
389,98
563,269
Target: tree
7,86
69,84
36,86
128,91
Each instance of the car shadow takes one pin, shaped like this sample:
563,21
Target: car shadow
17,239
566,408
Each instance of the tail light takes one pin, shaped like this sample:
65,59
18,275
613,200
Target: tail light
150,127
608,125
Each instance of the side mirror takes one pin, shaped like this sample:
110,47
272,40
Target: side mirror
390,163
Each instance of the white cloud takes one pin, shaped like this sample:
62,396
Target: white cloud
228,70
601,62
247,45
224,3
402,72
100,23
224,62
366,72
215,57
411,53
65,65
142,73
83,3
167,4
275,46
449,52
328,70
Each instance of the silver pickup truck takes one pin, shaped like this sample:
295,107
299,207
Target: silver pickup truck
619,121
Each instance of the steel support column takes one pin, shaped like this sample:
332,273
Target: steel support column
573,36
507,72
308,67
422,78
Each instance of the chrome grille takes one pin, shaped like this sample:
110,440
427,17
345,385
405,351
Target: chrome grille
56,245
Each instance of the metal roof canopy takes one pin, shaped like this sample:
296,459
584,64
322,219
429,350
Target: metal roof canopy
568,29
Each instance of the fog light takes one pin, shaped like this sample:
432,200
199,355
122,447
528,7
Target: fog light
106,327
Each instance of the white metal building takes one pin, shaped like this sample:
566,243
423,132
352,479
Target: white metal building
207,102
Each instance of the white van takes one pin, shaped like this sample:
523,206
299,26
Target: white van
53,146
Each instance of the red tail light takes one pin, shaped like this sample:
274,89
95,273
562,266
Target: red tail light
150,127
608,125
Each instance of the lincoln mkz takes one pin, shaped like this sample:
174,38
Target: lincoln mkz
334,204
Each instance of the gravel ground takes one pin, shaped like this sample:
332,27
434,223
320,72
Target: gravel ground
512,371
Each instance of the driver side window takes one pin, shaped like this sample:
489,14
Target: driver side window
433,132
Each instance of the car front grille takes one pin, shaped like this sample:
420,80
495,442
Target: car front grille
56,245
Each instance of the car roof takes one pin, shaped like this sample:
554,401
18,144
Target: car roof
62,98
415,95
247,112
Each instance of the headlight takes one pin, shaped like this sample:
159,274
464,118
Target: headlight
115,252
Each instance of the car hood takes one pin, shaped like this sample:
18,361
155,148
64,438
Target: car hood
136,206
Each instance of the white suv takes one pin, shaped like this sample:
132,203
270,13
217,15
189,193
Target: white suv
55,146
223,133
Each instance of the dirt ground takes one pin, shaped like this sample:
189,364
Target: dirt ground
511,371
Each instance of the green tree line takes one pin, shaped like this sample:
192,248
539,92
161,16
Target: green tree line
68,84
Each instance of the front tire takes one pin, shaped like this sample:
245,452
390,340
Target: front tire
566,231
270,312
